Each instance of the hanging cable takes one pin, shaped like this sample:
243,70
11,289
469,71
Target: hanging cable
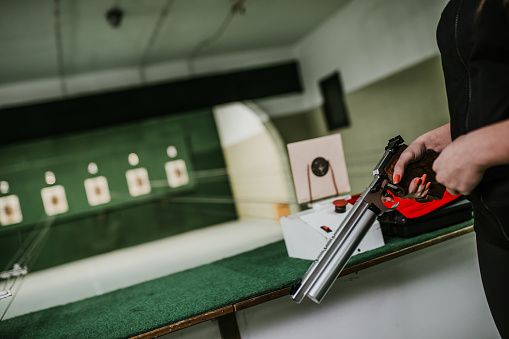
32,244
24,259
209,41
238,6
153,36
17,288
59,47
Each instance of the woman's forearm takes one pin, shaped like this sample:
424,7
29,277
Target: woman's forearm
490,145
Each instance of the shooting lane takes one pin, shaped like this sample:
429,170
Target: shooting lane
165,193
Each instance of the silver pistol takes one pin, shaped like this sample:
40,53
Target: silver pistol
326,268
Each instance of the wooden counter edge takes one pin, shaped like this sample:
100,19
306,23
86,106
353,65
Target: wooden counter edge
352,269
186,323
242,305
286,290
407,250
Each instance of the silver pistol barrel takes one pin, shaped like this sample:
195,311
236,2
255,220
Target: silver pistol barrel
338,250
323,272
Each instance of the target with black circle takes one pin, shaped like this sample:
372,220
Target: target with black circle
320,167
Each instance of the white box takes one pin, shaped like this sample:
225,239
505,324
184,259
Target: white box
305,238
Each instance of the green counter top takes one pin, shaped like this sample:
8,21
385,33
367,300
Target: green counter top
206,292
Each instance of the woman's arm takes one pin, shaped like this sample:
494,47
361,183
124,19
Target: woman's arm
461,166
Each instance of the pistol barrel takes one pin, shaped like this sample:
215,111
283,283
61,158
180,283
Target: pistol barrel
324,271
338,250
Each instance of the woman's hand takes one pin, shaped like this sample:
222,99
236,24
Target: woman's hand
437,140
456,167
418,188
461,166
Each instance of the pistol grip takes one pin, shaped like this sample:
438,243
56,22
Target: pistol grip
416,170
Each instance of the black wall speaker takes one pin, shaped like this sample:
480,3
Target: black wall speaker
334,106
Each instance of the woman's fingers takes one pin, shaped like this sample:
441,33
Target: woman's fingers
414,186
418,188
414,152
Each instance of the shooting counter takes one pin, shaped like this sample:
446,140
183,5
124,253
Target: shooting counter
150,127
213,291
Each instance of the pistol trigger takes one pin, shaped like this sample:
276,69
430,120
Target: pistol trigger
393,188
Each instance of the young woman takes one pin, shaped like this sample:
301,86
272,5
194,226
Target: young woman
473,37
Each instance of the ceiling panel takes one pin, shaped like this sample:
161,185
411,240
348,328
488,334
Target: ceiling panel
190,28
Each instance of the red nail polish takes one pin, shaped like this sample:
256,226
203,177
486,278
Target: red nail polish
427,185
397,178
424,179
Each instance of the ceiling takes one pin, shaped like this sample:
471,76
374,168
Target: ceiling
45,38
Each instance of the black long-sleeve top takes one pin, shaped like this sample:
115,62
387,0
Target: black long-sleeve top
474,46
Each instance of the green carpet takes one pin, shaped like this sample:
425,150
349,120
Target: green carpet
150,305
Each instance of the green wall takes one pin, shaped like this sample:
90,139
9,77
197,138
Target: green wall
86,230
